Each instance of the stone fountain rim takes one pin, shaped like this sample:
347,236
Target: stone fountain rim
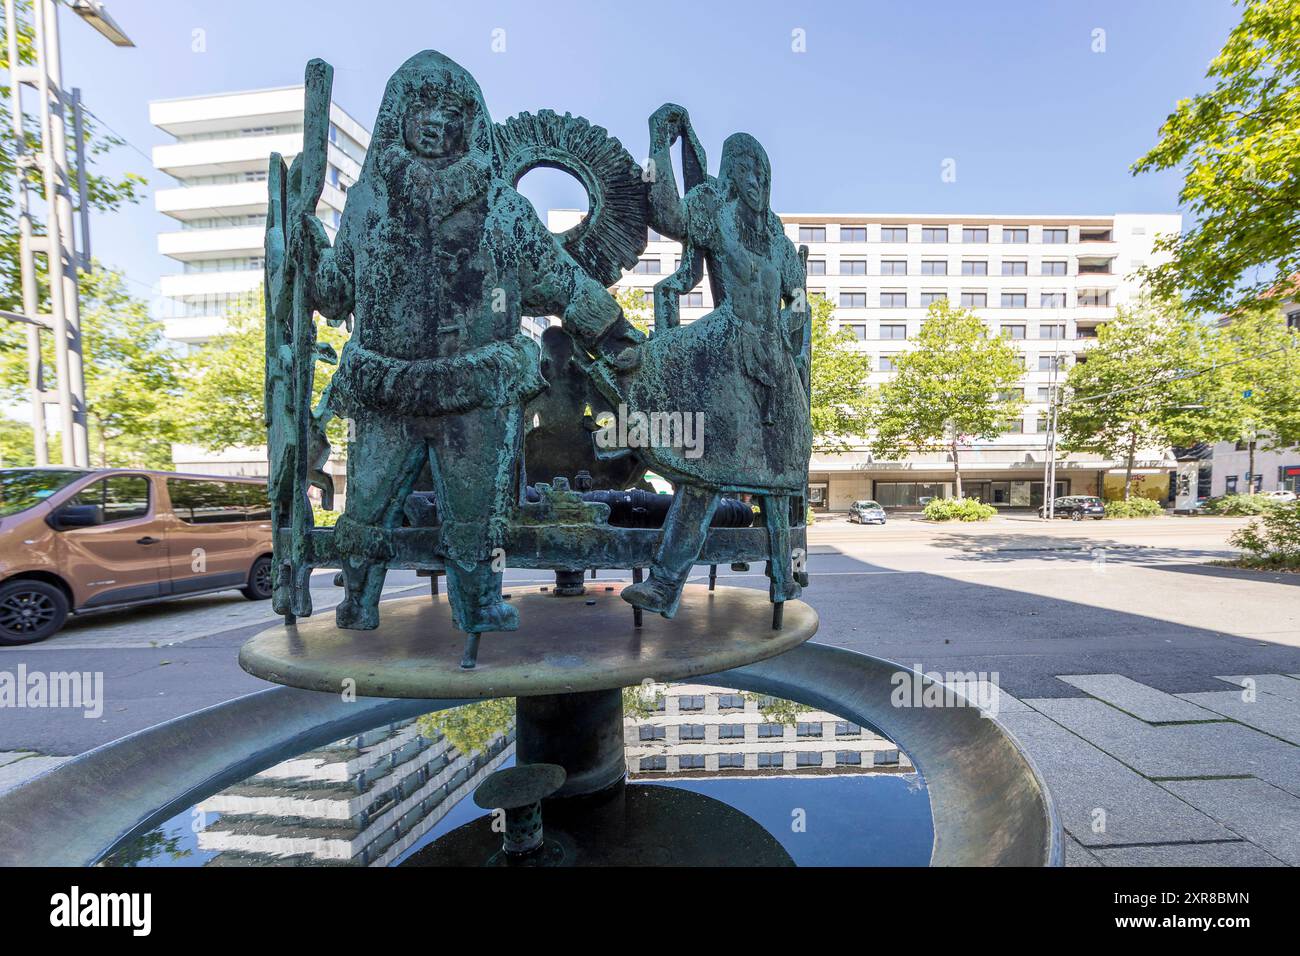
989,803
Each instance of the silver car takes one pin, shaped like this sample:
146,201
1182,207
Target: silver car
866,512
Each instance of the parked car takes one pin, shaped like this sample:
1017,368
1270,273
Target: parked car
74,540
1280,494
1075,507
866,512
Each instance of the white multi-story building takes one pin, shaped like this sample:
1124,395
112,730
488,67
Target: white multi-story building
219,160
1044,282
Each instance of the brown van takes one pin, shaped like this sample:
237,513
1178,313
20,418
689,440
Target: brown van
74,540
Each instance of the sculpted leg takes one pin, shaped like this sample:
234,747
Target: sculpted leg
776,515
474,460
384,460
684,532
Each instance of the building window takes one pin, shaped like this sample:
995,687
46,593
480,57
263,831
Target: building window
853,267
1094,297
658,762
1052,300
848,758
1230,484
974,267
893,331
731,731
652,236
808,758
730,760
853,300
646,267
858,329
810,729
1013,331
731,702
893,300
887,363
1015,268
812,233
1015,235
690,732
934,234
1293,320
816,267
690,762
1044,393
771,760
693,300
893,234
1040,424
1053,268
847,729
853,233
1056,235
1013,300
649,732
691,702
929,298
1051,331
934,267
974,300
1014,426
975,234
893,267
771,730
1045,362
1094,235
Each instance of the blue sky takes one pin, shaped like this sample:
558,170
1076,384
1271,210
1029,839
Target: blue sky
1012,90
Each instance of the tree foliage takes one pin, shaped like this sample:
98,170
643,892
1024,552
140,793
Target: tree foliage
1238,146
105,193
840,399
226,375
133,376
1131,393
955,386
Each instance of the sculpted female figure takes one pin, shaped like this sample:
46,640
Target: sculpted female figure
740,364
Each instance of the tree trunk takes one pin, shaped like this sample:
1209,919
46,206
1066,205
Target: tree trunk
1128,466
956,469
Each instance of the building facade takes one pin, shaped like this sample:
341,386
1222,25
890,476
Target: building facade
219,157
1044,282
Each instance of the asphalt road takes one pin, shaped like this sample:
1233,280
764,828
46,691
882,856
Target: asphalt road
1014,596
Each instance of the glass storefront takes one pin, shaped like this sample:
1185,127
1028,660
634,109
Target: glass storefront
908,494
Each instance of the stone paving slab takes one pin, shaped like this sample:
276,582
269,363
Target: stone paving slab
1177,750
1265,815
1238,853
1076,854
20,771
1267,712
1082,779
1279,685
1143,702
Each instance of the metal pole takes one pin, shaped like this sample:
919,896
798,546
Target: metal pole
60,254
26,257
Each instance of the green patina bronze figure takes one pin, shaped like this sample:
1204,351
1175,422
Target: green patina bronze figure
436,261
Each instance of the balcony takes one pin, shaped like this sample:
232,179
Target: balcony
210,283
216,156
212,243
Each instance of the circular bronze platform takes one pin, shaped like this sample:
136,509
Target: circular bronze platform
563,645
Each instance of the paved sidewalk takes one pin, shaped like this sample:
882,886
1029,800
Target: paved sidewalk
1145,778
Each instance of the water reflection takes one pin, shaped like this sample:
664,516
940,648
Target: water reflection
829,791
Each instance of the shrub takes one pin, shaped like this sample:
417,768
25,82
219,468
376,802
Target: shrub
1240,505
958,509
1273,538
1134,508
325,519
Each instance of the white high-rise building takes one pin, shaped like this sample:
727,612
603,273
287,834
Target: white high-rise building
1044,282
219,160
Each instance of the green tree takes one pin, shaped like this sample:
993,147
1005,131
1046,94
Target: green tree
840,399
132,374
637,306
16,444
1132,393
1252,393
955,386
471,728
1236,146
225,377
105,193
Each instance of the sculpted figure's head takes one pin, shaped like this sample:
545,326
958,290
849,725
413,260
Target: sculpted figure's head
436,129
746,171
